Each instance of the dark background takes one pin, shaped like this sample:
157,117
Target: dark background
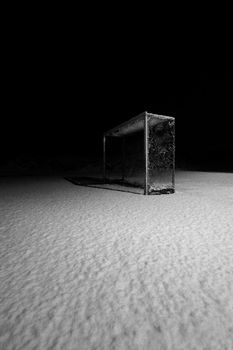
68,78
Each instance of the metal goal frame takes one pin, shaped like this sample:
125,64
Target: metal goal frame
143,122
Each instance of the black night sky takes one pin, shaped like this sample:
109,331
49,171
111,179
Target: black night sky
68,81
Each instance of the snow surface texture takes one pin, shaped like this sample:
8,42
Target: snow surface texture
87,268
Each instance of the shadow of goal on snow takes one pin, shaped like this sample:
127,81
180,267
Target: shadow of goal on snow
112,185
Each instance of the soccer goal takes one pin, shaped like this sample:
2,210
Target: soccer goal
140,153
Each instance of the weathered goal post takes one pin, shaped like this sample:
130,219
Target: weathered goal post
147,147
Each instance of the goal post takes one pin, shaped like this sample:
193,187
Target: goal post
146,153
141,153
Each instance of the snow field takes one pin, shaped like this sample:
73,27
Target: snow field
87,268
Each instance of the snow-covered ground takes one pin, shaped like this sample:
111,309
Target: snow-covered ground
88,268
